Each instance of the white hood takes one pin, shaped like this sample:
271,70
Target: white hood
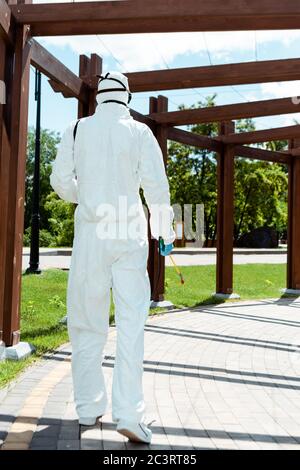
113,95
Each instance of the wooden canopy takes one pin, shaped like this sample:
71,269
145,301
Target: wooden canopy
140,16
20,21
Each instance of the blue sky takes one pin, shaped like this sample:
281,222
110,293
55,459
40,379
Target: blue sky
129,53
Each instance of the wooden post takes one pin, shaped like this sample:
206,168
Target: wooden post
89,68
83,72
224,278
293,259
156,263
5,65
95,69
14,138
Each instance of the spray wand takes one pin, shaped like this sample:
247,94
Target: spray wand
161,248
177,270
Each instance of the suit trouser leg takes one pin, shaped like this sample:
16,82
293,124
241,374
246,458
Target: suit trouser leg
88,322
131,292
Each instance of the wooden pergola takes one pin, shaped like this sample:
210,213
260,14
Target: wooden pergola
21,21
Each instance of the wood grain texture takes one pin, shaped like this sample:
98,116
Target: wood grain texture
293,258
228,112
225,209
140,16
7,23
17,110
265,135
215,75
65,79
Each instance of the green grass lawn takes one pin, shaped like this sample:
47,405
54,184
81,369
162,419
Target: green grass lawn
44,301
251,281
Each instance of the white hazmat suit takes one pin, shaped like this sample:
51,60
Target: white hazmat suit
102,170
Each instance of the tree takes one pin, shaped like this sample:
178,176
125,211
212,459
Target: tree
49,142
61,220
260,187
192,172
260,196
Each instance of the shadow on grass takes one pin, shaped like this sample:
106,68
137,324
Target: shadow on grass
47,331
210,300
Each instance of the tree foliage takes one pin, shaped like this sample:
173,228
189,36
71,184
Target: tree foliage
56,216
49,142
61,220
260,187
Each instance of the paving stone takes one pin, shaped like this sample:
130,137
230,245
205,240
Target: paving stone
49,421
3,434
91,437
69,422
69,432
45,447
15,446
68,444
47,430
43,443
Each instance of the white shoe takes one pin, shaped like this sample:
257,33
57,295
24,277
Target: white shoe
136,432
89,421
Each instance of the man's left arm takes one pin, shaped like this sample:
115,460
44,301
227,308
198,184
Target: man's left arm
63,177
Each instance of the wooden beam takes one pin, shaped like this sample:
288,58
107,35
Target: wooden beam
140,16
225,212
204,142
58,87
293,260
194,140
228,112
6,22
142,118
61,78
261,154
295,152
18,117
265,135
215,75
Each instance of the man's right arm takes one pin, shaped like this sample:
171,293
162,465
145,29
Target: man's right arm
156,187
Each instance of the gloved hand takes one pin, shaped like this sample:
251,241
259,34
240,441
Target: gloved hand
165,250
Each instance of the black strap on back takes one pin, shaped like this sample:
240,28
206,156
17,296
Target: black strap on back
75,129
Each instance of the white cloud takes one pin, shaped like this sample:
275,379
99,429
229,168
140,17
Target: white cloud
134,52
281,90
150,51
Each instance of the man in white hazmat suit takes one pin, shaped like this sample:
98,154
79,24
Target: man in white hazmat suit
102,162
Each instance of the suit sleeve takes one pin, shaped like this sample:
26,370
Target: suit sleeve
63,177
156,187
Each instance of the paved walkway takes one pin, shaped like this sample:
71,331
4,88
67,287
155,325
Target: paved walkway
60,258
219,377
